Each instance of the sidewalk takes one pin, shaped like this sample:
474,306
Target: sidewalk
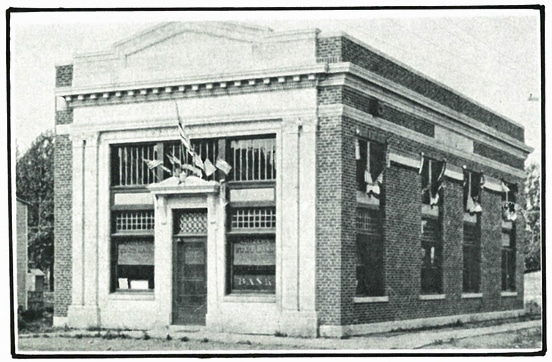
403,340
385,341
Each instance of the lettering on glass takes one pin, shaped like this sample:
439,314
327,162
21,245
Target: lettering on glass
135,253
256,252
254,282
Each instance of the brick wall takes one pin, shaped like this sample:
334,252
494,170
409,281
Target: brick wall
63,159
361,102
64,117
64,75
336,253
341,49
498,155
329,220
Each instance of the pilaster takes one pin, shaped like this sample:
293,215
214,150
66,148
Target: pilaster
289,214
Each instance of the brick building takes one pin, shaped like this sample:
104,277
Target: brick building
363,196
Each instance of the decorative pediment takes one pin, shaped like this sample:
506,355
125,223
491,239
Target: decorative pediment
185,50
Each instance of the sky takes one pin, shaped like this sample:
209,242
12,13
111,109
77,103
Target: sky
491,56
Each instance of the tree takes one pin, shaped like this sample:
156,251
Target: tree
35,184
532,218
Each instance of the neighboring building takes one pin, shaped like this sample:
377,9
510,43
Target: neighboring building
35,289
331,222
21,251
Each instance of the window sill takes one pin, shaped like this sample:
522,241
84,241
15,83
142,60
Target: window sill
508,294
249,298
380,299
472,295
431,296
132,295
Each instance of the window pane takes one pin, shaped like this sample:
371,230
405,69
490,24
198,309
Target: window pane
370,253
133,264
432,251
253,264
128,167
376,161
253,159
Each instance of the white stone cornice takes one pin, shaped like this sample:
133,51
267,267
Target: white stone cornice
336,68
243,77
341,110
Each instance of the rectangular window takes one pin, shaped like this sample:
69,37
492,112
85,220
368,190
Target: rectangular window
129,169
370,253
204,148
253,159
472,257
432,256
509,258
252,264
132,251
431,170
370,156
472,191
251,247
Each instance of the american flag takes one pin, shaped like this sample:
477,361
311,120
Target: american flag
183,136
153,163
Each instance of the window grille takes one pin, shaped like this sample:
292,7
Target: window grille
128,166
253,159
126,221
253,218
191,222
205,148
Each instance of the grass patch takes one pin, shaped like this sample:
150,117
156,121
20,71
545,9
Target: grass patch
279,334
184,339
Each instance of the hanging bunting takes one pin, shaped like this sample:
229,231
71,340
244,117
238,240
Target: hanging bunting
421,163
437,185
209,168
357,149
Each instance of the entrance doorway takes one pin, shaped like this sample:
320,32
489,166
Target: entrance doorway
190,273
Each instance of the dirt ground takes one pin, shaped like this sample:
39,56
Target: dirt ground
521,339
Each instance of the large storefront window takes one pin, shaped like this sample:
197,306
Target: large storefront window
132,251
251,238
253,264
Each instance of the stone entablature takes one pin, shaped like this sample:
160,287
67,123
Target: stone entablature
215,85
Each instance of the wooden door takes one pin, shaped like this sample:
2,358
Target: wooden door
190,281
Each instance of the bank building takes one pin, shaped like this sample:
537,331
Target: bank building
296,182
